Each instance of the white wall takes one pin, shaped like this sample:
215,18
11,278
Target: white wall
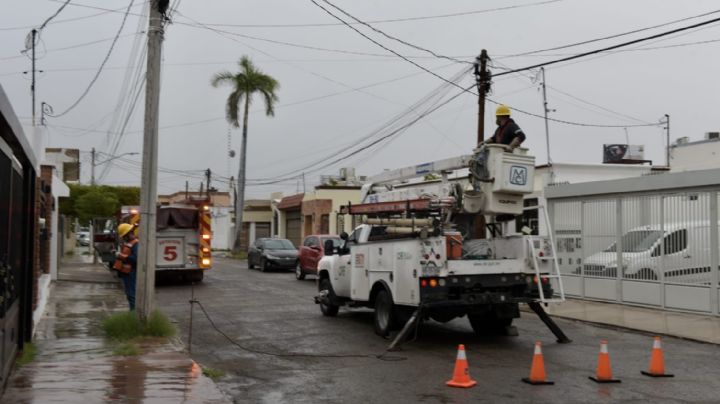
702,155
222,227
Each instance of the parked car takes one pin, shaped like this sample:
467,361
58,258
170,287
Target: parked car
269,253
310,253
682,249
82,237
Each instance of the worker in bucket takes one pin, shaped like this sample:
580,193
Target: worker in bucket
126,261
508,132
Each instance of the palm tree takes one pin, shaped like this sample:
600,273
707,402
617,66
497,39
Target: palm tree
248,81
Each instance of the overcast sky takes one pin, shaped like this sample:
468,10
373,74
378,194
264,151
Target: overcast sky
622,88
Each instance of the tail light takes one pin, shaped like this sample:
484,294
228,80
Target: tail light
206,261
206,236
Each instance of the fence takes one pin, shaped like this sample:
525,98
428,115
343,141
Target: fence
650,241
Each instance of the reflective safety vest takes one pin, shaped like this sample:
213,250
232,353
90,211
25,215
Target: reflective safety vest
125,251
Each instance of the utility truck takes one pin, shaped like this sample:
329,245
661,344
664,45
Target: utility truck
422,253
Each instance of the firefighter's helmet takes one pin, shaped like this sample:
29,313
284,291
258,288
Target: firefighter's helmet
502,110
124,229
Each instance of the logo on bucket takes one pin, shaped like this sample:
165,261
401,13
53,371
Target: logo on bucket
518,175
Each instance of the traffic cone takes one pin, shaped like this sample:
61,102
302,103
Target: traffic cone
537,370
461,374
657,362
603,373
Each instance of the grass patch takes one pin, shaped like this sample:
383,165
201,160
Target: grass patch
127,349
126,325
238,256
28,354
214,374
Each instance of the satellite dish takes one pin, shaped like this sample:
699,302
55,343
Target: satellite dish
231,153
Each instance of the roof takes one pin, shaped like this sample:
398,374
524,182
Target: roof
292,201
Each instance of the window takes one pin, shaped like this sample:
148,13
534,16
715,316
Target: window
673,243
637,241
310,241
279,244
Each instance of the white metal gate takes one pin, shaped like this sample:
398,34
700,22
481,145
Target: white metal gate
657,246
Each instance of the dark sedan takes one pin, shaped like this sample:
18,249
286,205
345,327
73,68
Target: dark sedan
267,253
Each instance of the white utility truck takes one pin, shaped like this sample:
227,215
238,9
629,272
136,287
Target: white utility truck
421,251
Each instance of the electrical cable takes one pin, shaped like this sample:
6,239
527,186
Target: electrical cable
617,46
393,37
611,36
405,19
102,65
54,15
383,356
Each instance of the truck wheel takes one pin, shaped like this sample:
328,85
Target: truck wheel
384,313
328,309
299,274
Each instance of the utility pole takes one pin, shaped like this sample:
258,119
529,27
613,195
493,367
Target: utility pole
482,78
208,175
187,191
92,166
145,290
32,85
667,143
545,108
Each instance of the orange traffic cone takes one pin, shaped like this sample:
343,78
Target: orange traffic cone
461,375
603,373
657,362
537,370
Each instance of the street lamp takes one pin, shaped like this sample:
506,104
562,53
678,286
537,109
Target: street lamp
93,163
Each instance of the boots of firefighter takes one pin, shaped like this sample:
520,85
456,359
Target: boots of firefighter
657,362
537,369
461,374
603,373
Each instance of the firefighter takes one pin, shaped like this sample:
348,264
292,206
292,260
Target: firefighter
126,261
508,132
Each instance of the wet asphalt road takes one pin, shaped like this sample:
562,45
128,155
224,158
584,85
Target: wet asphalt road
273,312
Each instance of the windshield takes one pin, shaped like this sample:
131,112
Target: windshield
279,245
637,241
336,241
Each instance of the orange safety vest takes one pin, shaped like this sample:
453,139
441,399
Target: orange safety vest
125,252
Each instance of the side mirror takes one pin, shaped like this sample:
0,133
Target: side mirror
344,236
329,247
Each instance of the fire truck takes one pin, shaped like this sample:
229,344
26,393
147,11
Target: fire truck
438,241
183,238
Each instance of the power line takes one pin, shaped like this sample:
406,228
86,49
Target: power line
54,15
102,65
612,36
385,47
383,21
621,45
395,38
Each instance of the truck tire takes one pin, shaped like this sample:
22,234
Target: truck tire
328,309
489,324
384,317
299,274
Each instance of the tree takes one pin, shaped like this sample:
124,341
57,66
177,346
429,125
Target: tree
97,201
245,83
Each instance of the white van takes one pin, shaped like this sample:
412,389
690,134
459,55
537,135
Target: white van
686,247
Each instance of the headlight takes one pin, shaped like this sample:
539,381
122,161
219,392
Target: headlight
271,257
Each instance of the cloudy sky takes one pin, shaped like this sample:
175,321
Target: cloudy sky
340,93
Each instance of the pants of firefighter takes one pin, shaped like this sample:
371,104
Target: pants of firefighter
129,284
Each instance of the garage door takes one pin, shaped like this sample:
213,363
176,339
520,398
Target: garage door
262,230
293,227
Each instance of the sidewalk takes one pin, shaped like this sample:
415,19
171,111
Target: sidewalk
703,328
75,364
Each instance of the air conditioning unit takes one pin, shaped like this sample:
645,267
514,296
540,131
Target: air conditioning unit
682,140
619,153
347,173
712,135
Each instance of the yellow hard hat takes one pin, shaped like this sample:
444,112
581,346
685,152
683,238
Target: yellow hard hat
124,228
502,110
